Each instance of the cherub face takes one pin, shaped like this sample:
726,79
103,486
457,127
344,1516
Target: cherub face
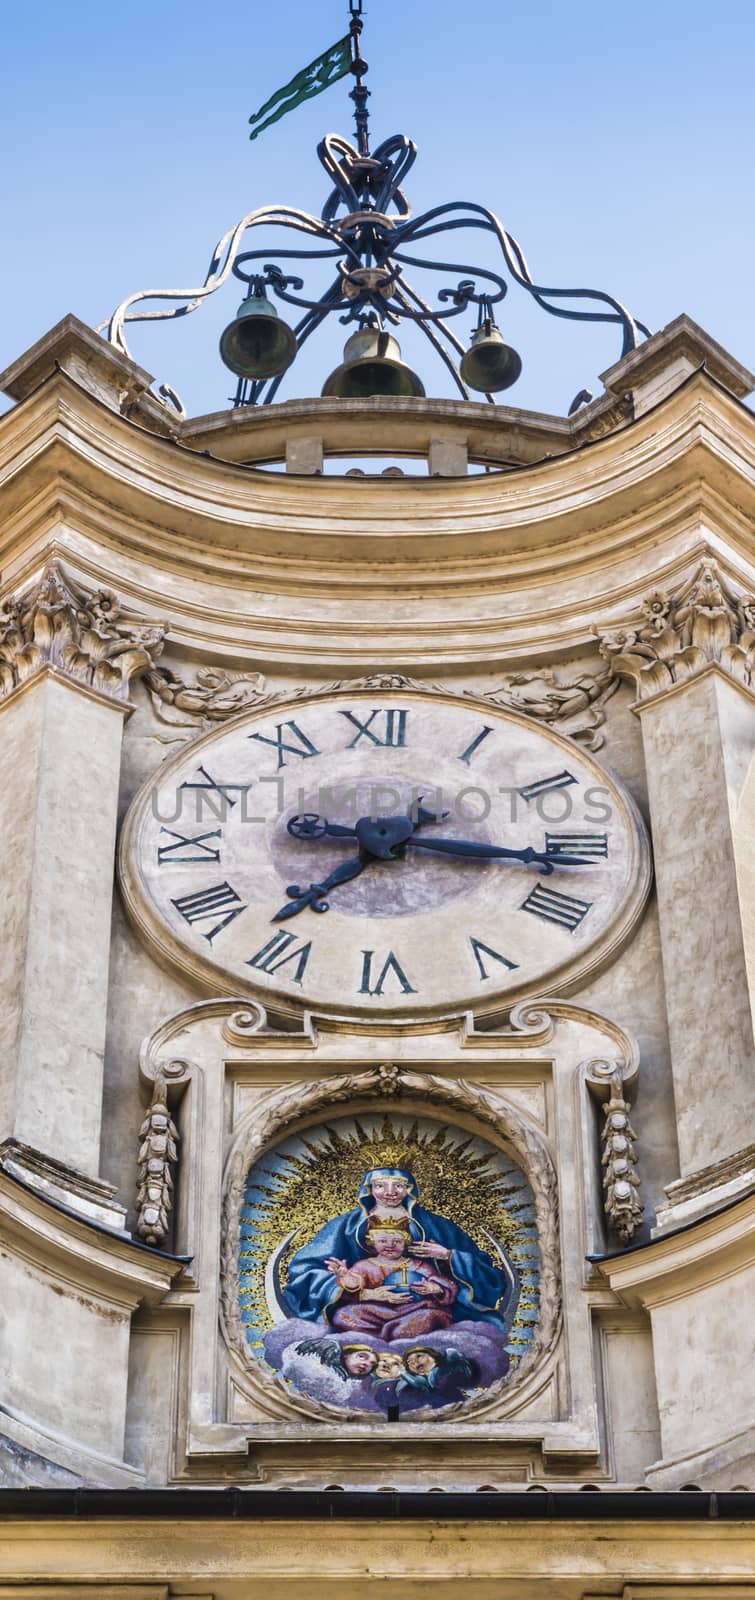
420,1362
359,1362
390,1246
389,1366
390,1191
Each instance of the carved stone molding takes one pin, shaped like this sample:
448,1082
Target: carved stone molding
282,1112
680,634
609,1080
85,634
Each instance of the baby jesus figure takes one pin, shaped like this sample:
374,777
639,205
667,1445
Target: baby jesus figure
392,1294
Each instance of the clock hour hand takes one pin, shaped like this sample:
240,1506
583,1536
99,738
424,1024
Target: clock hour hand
299,898
491,852
379,836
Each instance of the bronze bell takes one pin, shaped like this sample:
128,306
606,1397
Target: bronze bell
258,344
490,364
372,365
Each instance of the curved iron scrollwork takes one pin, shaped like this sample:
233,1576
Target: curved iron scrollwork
368,230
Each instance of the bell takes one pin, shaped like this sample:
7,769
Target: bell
489,364
372,365
257,344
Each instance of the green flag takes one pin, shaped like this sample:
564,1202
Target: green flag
328,67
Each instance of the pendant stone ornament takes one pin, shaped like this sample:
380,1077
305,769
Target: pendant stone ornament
398,854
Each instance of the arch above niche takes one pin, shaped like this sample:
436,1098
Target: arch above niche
475,1112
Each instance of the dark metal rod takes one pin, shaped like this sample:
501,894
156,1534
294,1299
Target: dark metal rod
359,94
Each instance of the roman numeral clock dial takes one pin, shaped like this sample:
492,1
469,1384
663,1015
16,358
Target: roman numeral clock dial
393,855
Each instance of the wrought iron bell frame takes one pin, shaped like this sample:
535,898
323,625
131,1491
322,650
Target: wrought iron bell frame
368,229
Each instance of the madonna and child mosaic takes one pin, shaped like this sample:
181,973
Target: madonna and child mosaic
388,1263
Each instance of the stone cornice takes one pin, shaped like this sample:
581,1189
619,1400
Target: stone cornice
694,1256
239,555
242,1539
80,1255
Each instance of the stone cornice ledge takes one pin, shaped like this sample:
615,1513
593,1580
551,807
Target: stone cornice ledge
157,483
694,1256
82,1254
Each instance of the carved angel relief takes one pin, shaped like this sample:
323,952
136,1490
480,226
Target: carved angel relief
214,695
575,704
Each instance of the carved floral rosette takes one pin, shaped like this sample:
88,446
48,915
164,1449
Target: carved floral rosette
475,1109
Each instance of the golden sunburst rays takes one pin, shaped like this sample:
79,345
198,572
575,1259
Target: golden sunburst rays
316,1176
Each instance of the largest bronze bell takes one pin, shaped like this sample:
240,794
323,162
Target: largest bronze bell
372,365
490,364
257,344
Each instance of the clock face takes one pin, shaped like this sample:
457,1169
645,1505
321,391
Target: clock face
347,853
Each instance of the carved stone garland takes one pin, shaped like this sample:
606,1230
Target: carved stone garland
283,1111
621,1181
158,1153
87,636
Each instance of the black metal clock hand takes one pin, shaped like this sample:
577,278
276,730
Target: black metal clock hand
308,825
491,852
379,838
314,896
385,838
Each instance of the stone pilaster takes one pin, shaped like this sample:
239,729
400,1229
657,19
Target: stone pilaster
67,659
691,657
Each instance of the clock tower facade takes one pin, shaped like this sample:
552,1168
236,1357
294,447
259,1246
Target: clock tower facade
376,1117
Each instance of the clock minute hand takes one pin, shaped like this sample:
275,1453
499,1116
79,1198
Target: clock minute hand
491,852
314,896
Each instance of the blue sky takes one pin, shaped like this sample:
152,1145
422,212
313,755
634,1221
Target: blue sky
616,144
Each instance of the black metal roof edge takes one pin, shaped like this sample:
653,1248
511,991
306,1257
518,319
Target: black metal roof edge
673,1233
91,1222
436,1505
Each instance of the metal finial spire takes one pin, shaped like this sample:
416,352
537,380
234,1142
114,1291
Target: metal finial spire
359,94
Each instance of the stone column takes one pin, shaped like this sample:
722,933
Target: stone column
66,662
692,660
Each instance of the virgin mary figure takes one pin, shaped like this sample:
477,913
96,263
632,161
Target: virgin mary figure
480,1288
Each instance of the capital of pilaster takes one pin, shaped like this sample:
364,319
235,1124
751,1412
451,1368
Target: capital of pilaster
678,635
86,635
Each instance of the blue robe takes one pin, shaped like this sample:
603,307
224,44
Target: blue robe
313,1293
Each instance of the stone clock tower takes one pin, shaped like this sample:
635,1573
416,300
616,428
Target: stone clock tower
377,1143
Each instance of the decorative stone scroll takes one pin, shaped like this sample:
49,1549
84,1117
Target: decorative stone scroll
158,1153
86,635
681,634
